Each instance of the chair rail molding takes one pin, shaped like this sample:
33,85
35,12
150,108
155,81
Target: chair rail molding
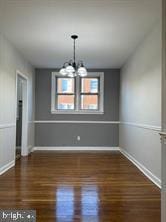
144,126
138,125
7,125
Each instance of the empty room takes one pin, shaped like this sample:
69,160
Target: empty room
83,110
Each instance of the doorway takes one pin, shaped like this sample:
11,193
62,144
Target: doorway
21,115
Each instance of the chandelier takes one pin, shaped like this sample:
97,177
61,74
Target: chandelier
71,68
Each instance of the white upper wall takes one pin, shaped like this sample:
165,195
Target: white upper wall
140,104
11,61
141,82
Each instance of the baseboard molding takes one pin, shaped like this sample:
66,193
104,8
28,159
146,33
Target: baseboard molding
30,149
7,167
163,205
76,122
142,168
75,148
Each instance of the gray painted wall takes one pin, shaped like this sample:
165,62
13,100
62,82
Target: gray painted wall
65,134
53,134
140,103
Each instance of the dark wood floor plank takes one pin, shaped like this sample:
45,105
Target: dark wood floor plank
80,187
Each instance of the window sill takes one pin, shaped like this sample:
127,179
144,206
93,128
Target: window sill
77,112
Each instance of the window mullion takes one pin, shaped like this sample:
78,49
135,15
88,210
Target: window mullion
77,93
65,94
89,94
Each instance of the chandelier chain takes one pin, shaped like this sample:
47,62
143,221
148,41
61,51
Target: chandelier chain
74,50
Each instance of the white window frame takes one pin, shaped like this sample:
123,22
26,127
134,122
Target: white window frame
77,110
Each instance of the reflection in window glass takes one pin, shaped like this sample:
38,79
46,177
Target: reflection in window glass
94,85
65,102
65,85
89,102
64,204
89,85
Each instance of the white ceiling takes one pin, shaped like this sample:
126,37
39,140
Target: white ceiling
109,30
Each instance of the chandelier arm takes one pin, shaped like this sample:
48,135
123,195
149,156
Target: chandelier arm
80,62
70,61
66,63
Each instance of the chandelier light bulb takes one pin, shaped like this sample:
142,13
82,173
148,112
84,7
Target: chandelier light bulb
82,71
63,71
70,69
72,74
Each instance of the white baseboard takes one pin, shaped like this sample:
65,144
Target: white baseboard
163,205
7,167
77,122
142,168
30,149
75,148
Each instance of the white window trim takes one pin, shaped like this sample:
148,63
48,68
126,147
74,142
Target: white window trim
77,110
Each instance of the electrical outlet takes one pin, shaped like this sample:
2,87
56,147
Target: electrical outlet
78,138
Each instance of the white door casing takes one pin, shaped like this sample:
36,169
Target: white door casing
163,134
24,139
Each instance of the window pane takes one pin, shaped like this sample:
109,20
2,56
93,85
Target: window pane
89,102
65,85
89,85
65,102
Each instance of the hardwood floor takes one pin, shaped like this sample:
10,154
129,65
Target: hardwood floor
80,187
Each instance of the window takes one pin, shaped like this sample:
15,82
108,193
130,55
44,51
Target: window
79,95
89,93
65,93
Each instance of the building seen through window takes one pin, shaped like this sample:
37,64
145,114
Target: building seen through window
88,86
80,94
